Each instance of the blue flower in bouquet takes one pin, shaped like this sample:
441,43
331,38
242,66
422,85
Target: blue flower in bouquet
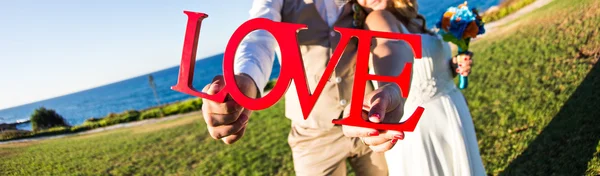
459,24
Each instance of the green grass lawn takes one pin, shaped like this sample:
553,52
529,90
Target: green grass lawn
534,96
535,92
180,146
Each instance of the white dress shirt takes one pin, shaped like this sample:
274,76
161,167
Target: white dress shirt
256,53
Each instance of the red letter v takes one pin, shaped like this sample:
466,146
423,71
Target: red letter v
308,101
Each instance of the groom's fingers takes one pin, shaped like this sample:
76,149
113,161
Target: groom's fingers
222,131
237,135
234,137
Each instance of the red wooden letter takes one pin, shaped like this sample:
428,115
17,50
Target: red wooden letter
362,75
293,69
292,66
284,33
188,58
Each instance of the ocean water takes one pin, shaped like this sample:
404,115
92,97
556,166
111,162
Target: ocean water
432,10
135,93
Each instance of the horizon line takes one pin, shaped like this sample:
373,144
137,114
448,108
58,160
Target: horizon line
102,85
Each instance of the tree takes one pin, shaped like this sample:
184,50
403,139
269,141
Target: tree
43,118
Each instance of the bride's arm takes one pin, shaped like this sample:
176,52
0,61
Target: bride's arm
389,55
386,103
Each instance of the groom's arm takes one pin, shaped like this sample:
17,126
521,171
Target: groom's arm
255,55
253,63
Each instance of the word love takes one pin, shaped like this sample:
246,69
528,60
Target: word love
292,68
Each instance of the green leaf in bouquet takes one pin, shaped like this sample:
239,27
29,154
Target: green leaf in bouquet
461,43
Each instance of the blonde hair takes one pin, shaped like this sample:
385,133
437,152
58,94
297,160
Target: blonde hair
406,11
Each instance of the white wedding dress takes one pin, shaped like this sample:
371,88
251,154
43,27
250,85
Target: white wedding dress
444,141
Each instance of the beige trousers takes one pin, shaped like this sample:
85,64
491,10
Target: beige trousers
324,152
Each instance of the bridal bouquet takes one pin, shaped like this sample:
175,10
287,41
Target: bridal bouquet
459,25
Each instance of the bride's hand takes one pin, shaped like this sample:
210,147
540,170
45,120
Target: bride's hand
464,62
379,104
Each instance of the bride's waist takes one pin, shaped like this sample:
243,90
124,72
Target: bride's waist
424,90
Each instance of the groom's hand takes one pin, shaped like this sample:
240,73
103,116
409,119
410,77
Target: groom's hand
379,104
227,121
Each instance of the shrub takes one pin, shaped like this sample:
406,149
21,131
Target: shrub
151,113
131,115
83,127
54,131
171,109
43,118
102,123
190,105
270,85
42,127
112,115
92,119
110,119
14,134
127,116
183,107
197,102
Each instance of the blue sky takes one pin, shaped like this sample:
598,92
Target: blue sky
53,48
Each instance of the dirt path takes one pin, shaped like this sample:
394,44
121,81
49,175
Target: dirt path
112,127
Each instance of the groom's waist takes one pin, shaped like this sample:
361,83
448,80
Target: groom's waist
335,96
326,109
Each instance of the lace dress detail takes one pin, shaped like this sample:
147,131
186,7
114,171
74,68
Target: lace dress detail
431,77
